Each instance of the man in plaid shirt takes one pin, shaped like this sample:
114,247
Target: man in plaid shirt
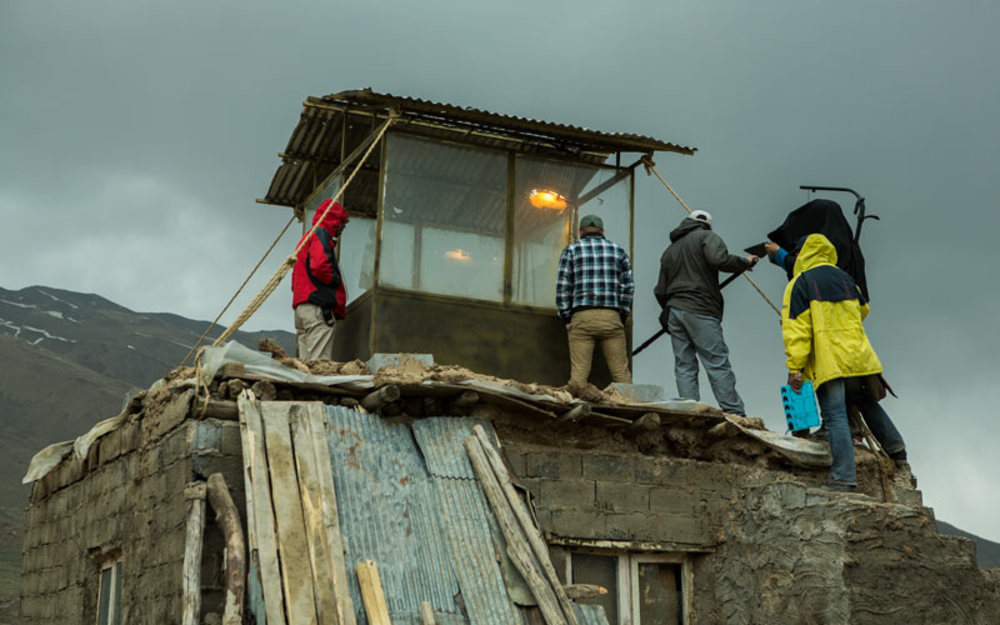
594,297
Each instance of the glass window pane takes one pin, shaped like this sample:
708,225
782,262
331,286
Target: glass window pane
549,199
443,218
104,605
601,570
327,192
357,256
659,594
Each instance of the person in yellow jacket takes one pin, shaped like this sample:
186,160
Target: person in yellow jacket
821,317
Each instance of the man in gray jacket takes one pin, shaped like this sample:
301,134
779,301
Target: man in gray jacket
688,291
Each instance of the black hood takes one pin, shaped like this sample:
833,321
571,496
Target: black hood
687,225
824,217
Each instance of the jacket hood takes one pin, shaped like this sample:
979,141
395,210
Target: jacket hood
817,250
687,225
335,217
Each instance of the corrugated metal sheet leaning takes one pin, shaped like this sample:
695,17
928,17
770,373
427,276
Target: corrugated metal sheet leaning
428,531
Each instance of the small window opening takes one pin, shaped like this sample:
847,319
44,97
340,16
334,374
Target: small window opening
109,611
643,588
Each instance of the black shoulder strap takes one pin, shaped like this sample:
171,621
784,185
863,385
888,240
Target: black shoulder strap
331,255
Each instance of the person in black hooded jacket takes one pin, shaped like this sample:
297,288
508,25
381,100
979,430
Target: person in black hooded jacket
688,292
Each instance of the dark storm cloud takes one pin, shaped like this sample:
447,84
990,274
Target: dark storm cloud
137,135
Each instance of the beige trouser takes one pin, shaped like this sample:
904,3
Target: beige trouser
599,325
315,337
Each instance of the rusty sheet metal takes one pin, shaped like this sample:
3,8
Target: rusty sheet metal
441,442
590,614
430,536
498,122
314,147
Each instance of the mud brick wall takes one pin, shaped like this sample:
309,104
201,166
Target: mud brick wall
623,497
125,502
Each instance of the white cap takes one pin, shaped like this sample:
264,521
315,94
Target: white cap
702,216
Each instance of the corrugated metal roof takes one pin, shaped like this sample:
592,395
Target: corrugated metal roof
430,534
590,614
441,441
314,148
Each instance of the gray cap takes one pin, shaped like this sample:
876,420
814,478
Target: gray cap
591,220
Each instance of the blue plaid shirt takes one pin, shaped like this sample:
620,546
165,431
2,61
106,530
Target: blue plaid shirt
594,273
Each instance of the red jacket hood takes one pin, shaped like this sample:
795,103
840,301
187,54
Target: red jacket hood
335,217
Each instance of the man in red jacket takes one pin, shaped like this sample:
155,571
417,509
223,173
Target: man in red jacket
318,294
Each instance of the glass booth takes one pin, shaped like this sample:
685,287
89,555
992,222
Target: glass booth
458,219
464,246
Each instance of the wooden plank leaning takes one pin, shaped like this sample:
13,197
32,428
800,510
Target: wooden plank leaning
194,495
297,583
372,594
316,536
331,516
227,517
260,515
531,532
517,545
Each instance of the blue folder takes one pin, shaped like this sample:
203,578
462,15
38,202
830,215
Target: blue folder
800,408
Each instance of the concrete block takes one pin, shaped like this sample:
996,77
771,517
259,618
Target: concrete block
640,392
553,465
672,501
377,361
609,468
618,497
567,494
232,445
657,528
517,461
579,524
206,436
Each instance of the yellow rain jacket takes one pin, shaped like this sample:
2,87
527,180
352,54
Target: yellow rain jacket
821,316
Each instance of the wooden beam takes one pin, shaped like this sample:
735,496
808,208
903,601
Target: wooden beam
427,613
194,533
228,519
380,397
296,579
331,516
531,531
575,413
260,514
317,539
517,546
372,594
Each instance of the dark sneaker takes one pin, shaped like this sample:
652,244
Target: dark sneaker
898,456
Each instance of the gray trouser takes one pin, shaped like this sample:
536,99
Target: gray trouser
696,336
314,335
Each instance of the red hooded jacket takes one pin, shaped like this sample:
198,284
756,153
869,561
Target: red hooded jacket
316,277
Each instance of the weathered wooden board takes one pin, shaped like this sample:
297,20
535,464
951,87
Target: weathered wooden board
331,518
316,536
372,594
260,515
297,583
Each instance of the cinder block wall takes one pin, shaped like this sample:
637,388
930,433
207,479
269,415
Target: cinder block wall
125,502
623,497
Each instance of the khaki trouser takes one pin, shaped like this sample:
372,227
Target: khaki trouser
315,337
599,325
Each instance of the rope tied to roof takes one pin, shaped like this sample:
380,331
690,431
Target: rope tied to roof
650,166
282,270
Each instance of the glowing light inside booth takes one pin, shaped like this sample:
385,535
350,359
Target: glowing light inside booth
546,198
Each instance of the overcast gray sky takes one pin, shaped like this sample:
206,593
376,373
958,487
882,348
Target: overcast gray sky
135,136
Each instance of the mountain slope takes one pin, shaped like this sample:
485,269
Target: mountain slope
987,551
67,361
